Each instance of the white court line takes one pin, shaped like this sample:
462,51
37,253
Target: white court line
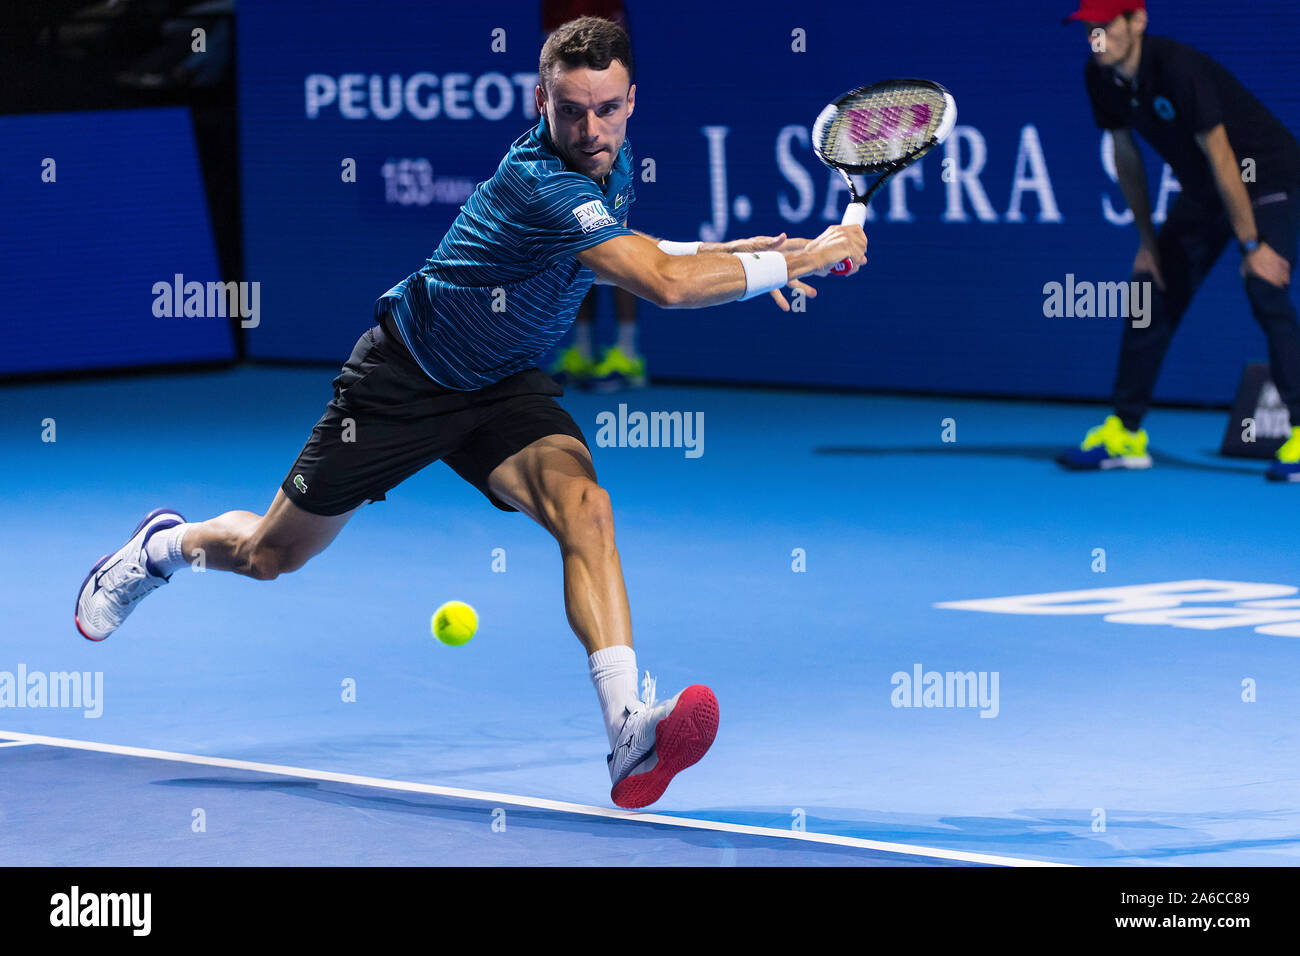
534,802
15,743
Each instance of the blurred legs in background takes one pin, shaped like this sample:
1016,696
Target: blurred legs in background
620,365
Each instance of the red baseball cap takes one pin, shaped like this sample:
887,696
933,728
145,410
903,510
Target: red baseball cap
1104,11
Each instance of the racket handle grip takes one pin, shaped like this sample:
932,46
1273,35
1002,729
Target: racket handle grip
855,215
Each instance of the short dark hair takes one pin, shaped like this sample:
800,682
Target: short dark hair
588,41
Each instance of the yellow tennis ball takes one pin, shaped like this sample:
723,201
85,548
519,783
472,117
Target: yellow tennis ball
454,623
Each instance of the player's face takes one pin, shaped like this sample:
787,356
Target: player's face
587,113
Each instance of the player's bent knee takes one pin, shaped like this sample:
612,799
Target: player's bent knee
586,516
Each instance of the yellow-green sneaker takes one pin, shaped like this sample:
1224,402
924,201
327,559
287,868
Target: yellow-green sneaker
1109,445
1286,465
573,368
618,370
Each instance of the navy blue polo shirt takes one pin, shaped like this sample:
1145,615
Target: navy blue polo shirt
505,283
1180,92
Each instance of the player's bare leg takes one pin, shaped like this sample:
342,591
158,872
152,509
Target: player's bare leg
554,482
263,546
258,546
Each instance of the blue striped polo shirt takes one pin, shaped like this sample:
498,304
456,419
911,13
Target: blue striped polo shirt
505,283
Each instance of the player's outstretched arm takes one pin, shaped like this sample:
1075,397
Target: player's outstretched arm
753,244
692,282
750,244
635,263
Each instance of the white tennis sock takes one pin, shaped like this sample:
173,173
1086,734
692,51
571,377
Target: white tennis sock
163,550
613,671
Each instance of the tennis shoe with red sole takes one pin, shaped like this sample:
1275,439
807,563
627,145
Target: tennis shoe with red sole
659,741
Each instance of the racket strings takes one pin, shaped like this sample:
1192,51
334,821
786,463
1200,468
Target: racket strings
881,127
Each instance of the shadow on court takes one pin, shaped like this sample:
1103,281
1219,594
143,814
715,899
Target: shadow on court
1032,453
457,818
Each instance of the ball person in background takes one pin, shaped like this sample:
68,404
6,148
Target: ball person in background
1240,172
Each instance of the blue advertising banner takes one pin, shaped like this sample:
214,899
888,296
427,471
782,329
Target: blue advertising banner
364,129
101,212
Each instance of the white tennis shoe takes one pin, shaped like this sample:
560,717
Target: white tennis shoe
119,580
658,741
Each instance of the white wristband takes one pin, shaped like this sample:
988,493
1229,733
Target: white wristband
764,271
679,248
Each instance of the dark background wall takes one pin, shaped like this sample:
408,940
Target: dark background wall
952,299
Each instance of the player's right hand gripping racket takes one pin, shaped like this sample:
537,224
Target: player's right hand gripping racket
881,128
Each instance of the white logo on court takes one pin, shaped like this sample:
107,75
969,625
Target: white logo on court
1204,605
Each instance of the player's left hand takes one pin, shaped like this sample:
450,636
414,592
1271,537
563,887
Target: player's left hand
796,284
1266,264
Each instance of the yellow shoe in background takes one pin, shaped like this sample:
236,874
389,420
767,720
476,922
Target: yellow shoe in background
1109,445
1286,465
573,368
618,370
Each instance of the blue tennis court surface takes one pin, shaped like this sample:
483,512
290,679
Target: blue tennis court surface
168,812
797,566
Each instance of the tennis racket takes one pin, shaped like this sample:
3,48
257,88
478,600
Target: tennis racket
881,128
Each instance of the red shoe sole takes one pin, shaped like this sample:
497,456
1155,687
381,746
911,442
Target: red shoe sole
681,739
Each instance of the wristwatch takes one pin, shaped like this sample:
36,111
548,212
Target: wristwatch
1250,245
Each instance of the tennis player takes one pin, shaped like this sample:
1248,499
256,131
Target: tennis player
1240,172
448,372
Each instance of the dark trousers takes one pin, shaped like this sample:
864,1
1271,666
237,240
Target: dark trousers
1190,242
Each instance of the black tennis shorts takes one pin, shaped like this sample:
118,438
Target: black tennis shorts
388,420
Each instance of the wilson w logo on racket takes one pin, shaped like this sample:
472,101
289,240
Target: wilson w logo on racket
881,128
887,122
